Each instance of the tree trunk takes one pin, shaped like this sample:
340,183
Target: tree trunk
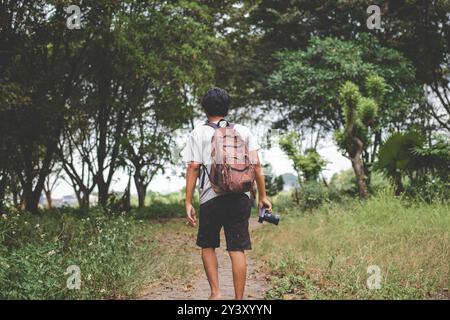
126,198
358,168
398,185
141,190
3,192
102,193
15,198
83,200
48,196
31,199
84,203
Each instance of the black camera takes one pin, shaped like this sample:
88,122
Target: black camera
264,215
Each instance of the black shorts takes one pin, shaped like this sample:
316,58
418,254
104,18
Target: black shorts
230,211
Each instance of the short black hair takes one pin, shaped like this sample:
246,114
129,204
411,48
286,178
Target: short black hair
216,102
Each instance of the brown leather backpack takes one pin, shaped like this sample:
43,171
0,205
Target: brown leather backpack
231,168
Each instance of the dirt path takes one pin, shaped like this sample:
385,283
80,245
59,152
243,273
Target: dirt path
198,287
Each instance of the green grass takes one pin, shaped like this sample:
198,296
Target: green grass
325,254
117,255
163,206
318,254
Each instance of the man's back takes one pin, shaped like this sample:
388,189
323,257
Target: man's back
198,149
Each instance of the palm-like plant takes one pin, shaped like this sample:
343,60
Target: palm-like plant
397,157
436,158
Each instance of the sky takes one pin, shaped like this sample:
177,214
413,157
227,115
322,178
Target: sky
172,182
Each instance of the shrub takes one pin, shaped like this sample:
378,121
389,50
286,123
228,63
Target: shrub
36,251
312,194
284,202
432,190
344,182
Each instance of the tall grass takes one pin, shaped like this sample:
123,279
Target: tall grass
117,255
326,254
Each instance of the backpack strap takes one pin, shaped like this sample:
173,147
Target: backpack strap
204,174
212,125
202,184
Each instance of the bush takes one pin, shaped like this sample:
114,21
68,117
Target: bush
344,182
378,182
433,189
36,251
284,202
312,194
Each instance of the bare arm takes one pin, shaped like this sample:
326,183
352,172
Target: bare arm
260,182
192,173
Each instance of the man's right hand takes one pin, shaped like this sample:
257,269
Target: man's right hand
264,202
190,214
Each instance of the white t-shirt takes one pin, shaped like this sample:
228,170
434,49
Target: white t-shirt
198,149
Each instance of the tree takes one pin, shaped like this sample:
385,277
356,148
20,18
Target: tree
52,181
147,149
418,29
359,116
274,184
307,83
307,162
40,64
143,69
77,157
163,86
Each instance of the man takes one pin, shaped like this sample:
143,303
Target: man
230,211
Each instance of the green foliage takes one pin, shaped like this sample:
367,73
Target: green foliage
359,113
115,253
424,169
420,41
284,202
377,88
344,182
355,88
36,251
110,93
307,163
436,157
307,82
349,100
274,184
397,153
312,194
431,189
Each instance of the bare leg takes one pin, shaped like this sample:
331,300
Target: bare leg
211,268
239,267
